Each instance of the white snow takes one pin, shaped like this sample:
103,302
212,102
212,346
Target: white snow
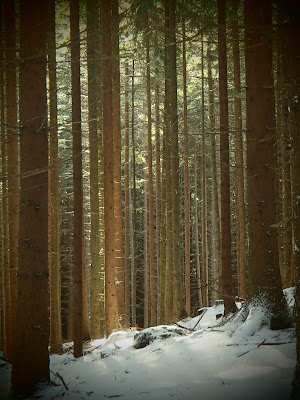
234,360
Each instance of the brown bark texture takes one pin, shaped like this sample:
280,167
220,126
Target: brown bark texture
12,167
226,261
77,181
187,213
239,158
108,150
54,215
93,59
31,361
264,274
118,223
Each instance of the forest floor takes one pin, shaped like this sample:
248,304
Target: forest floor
233,360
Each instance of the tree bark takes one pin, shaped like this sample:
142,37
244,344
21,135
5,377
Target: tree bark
239,158
127,199
151,193
187,216
31,361
215,245
204,196
77,179
12,167
117,163
226,261
54,217
111,322
264,274
93,59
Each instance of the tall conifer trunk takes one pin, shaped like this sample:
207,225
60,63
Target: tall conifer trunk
93,60
127,200
224,161
77,180
108,152
117,162
215,239
54,217
204,199
31,361
239,158
151,193
264,273
187,216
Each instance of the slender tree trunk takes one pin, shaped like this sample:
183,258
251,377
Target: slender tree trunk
215,246
77,179
204,199
229,303
239,159
31,361
146,258
169,266
198,266
283,149
158,188
111,322
187,216
127,199
92,14
54,245
264,273
117,162
134,227
151,195
171,74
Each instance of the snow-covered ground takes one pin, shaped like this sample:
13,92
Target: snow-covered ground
230,361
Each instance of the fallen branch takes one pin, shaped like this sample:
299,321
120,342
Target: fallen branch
95,348
61,378
183,327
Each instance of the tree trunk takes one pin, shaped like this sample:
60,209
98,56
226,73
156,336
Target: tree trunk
215,245
127,200
187,216
158,189
54,217
77,179
145,251
197,246
239,159
151,194
204,199
264,274
31,361
174,205
117,163
93,59
227,288
134,241
111,322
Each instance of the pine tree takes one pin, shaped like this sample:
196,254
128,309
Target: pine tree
31,361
